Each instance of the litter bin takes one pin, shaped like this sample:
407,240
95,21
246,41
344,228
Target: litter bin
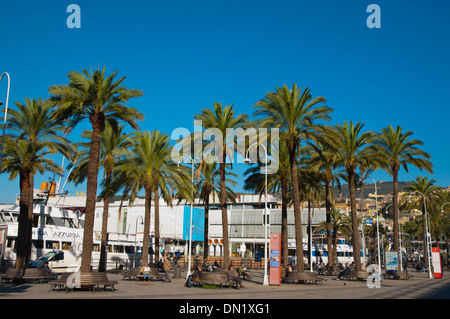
176,272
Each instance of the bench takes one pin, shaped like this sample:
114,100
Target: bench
356,275
401,275
303,277
217,278
12,274
135,273
60,282
37,274
89,280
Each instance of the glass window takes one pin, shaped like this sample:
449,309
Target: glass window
118,248
51,244
58,256
129,249
49,221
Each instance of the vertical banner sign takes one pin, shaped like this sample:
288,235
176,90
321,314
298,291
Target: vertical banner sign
436,261
275,262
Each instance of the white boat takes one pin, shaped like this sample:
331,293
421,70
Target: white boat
57,236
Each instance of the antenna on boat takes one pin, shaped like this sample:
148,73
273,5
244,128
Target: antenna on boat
59,181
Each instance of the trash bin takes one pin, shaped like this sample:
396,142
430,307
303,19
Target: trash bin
176,272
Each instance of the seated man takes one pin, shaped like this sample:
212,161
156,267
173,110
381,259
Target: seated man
346,271
146,271
233,275
243,271
48,271
194,276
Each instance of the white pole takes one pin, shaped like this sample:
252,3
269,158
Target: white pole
427,241
4,119
266,279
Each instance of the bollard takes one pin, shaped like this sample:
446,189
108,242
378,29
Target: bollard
176,272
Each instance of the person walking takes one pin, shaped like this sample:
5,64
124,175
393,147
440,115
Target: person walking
167,267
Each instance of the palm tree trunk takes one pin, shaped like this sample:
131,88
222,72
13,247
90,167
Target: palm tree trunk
223,207
356,237
91,196
425,240
284,224
206,228
104,240
328,221
157,233
297,211
146,239
309,230
395,208
26,204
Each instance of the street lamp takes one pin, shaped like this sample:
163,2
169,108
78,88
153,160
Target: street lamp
247,160
4,119
427,242
442,207
378,227
192,207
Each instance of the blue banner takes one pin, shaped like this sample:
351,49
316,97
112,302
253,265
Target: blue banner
198,222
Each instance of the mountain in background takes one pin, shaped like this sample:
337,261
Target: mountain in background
384,187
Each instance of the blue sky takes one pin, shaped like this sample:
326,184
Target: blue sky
186,55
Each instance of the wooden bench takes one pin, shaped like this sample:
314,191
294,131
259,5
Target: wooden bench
216,278
60,282
401,275
303,277
12,274
133,273
37,274
356,275
83,280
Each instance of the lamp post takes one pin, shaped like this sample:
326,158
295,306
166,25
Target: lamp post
427,242
4,119
247,160
190,222
442,207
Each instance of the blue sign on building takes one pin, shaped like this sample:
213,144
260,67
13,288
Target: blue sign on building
198,222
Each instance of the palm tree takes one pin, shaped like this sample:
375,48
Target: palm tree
100,99
296,114
427,188
279,181
324,160
150,167
114,145
35,135
222,119
353,152
208,184
395,149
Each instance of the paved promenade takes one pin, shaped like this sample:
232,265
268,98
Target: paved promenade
419,287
